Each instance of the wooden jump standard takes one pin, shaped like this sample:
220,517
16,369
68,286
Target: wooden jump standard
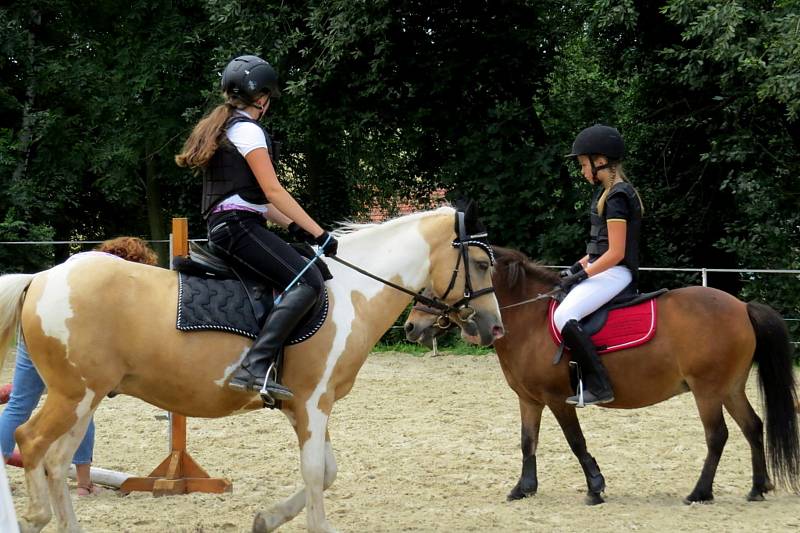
178,473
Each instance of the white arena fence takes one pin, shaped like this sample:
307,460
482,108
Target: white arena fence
703,272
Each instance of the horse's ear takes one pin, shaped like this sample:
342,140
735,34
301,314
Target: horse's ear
473,224
462,203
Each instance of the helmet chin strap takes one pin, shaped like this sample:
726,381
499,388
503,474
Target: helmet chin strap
261,108
596,169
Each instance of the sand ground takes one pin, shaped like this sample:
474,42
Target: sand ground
432,444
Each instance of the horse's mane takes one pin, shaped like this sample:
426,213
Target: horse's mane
348,227
513,268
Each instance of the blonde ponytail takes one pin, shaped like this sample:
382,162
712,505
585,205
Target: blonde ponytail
616,172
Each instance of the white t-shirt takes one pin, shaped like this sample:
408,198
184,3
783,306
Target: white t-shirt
246,137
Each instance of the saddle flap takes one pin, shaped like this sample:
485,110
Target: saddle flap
206,303
618,324
594,322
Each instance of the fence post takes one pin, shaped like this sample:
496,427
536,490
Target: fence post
178,473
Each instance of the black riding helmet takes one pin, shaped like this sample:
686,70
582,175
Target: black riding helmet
248,77
599,140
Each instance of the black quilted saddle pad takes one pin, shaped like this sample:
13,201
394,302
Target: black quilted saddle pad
223,305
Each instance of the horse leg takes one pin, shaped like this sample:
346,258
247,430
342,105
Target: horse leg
568,420
57,461
738,406
291,507
716,431
48,440
531,418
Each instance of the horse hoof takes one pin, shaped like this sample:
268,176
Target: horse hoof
519,494
26,527
756,496
692,499
264,523
593,498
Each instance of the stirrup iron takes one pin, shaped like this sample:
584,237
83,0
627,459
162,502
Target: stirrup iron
265,394
579,391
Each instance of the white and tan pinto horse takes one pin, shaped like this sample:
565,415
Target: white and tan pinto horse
98,324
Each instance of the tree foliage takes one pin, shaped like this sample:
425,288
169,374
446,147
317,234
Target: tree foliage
386,101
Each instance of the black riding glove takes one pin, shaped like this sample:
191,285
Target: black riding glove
328,243
569,281
574,269
299,234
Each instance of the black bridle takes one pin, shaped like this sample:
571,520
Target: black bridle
437,305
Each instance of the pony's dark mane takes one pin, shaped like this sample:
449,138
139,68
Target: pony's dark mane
513,268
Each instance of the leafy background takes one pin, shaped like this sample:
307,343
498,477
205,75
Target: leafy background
387,101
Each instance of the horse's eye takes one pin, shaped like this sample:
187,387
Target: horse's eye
483,266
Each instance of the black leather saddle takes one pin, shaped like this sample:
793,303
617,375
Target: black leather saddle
213,295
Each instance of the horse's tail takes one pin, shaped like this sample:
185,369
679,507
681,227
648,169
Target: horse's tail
776,382
12,291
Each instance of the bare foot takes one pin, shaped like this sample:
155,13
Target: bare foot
90,490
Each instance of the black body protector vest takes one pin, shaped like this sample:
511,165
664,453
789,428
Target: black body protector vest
598,240
228,173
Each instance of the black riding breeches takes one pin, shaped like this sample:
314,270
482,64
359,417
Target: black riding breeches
245,239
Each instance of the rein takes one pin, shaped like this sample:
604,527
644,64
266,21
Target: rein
430,302
550,294
462,242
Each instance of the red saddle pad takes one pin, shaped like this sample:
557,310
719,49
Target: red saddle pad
625,328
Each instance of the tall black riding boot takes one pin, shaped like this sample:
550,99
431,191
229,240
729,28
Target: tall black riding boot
283,318
595,376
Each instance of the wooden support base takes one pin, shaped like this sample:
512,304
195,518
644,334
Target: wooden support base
177,474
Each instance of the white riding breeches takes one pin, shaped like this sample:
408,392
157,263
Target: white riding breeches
590,294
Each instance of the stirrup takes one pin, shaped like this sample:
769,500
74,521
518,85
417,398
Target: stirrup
272,391
579,400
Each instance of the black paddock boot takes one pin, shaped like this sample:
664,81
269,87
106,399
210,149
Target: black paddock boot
595,376
261,358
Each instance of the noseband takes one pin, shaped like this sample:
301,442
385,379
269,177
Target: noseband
436,305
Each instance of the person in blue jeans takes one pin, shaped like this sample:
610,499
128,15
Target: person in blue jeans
28,387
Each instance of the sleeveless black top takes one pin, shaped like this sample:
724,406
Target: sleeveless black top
622,203
228,173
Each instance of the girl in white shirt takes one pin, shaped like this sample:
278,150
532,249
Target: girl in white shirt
240,190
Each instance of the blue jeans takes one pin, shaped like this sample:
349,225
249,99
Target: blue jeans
28,388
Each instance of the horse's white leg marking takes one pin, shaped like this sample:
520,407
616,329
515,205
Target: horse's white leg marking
330,466
312,465
291,507
57,460
39,512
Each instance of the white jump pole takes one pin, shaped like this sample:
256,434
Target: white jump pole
101,476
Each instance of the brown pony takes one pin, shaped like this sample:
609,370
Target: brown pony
706,342
97,324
